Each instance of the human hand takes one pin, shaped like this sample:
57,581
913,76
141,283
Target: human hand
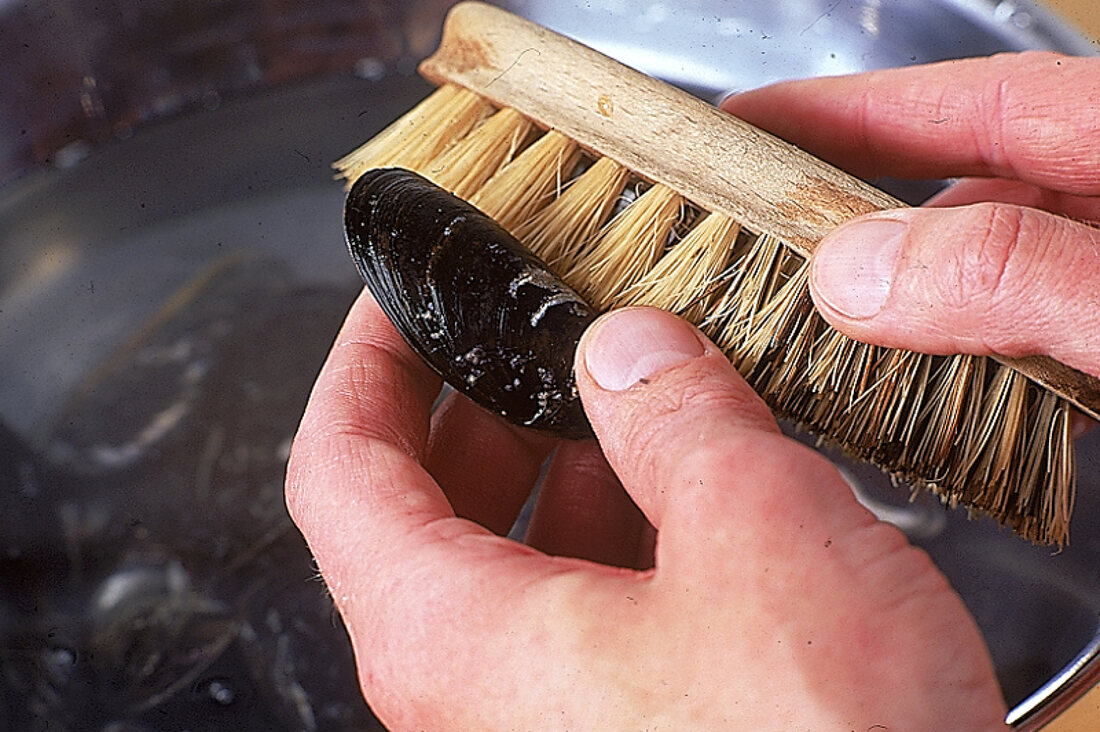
1012,267
770,600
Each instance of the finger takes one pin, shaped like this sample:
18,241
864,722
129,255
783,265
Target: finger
647,378
371,385
583,511
485,466
363,432
984,279
697,449
993,190
1020,116
421,590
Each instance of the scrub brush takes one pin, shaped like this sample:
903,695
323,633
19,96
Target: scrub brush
637,193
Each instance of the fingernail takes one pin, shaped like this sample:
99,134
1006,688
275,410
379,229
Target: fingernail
629,345
854,266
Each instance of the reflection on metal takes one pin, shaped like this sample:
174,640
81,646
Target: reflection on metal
923,520
1056,695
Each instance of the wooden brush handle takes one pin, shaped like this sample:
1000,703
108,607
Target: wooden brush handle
668,136
653,128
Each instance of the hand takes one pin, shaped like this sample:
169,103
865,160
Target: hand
1013,266
770,600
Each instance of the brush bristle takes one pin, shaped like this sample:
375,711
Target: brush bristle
976,433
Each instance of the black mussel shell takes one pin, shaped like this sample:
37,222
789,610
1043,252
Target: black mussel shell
479,308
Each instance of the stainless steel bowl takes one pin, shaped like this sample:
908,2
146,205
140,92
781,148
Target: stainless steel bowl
171,274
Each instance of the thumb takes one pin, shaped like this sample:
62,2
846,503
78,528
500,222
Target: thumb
693,444
985,279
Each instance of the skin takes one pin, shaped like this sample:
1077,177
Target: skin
1013,265
696,569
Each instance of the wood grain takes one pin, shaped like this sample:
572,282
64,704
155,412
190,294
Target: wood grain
656,130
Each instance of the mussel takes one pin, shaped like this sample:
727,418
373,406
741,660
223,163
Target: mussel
483,311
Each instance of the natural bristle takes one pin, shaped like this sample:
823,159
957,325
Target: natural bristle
464,167
683,280
973,431
515,193
418,137
560,230
628,247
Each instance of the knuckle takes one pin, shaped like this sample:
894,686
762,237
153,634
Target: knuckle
987,265
1024,129
305,464
683,408
294,492
1004,127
